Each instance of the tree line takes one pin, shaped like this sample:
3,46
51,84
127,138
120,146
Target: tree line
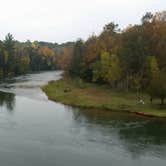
22,57
132,59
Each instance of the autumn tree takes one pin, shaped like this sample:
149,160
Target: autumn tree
64,59
91,54
21,57
47,57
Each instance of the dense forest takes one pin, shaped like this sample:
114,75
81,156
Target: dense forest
22,57
130,59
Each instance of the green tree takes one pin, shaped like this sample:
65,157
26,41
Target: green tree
76,60
157,88
147,18
152,68
3,60
9,45
109,71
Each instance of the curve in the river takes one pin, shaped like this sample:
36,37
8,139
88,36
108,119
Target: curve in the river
37,132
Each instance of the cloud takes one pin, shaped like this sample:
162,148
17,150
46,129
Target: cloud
54,20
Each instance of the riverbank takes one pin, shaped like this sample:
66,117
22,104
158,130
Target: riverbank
88,95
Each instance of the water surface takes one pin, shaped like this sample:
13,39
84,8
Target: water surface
37,132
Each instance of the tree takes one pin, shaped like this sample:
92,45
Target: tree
109,38
75,69
157,87
154,33
47,58
64,60
24,65
91,55
3,60
9,45
47,52
108,69
110,28
152,69
147,18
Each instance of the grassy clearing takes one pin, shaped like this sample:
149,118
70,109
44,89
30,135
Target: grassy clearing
87,95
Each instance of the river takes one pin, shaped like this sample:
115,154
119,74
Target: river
37,132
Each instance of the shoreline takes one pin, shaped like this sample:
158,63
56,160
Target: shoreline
141,114
87,95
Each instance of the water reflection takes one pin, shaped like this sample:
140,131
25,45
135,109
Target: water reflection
7,100
41,132
139,136
149,137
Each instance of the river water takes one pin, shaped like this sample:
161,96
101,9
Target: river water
37,132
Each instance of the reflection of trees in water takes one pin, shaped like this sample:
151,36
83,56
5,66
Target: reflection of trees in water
8,100
150,137
137,135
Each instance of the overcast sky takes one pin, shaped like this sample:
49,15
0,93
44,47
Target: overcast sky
67,20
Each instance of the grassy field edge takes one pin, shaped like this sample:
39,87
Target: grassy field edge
87,95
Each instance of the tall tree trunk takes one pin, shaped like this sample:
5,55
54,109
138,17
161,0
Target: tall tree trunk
162,101
127,83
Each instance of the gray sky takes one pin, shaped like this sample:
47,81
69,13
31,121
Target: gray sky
67,20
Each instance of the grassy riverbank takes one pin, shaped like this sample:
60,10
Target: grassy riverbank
87,95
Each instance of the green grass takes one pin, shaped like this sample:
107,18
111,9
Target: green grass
88,95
